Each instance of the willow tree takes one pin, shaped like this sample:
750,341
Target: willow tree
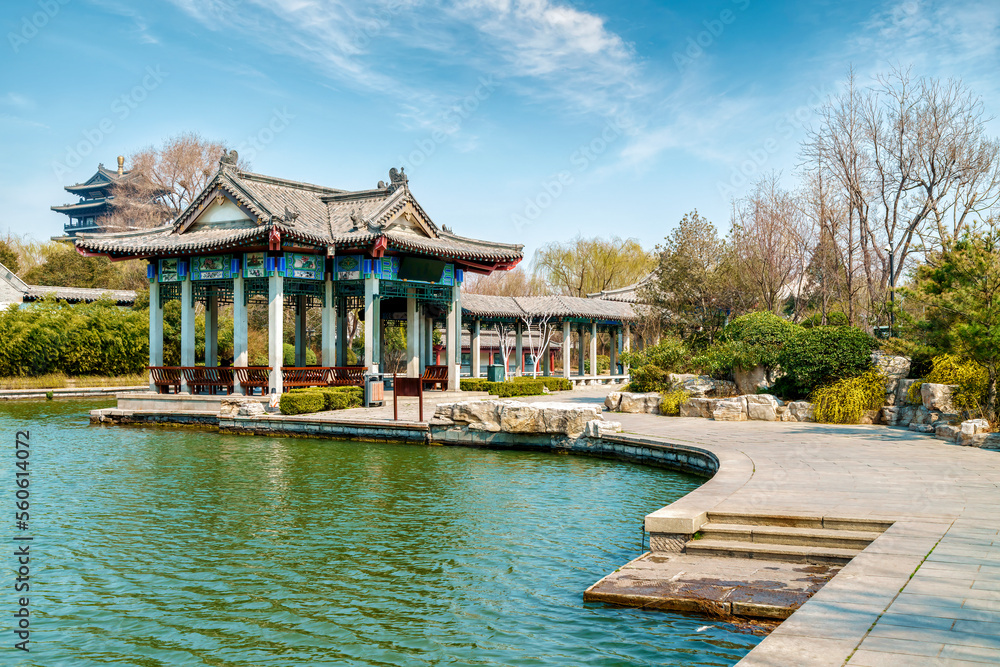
585,266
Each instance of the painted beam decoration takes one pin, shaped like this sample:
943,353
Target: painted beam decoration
307,267
170,271
347,267
254,265
212,267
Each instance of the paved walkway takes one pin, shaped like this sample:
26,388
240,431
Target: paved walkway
927,592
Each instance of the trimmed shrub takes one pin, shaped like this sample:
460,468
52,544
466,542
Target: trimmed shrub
521,388
759,338
823,355
846,401
834,319
648,378
334,398
671,402
670,355
298,403
556,383
474,384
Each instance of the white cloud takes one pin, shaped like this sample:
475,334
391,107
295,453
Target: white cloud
17,101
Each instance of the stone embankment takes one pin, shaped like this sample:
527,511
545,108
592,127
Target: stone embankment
935,414
507,421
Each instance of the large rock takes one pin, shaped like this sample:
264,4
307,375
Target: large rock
566,418
523,418
613,400
890,415
802,411
749,380
902,388
871,417
989,441
921,428
699,407
725,389
892,367
241,406
639,403
974,426
937,397
731,410
598,428
922,415
946,432
479,415
762,407
700,386
906,414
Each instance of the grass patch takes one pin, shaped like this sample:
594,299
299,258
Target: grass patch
63,381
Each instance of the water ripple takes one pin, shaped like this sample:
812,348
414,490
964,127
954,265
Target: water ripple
173,547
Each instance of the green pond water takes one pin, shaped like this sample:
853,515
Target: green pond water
170,546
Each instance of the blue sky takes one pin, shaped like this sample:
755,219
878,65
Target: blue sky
518,120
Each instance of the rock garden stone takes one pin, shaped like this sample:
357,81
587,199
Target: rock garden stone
902,388
725,389
802,411
946,432
731,410
989,441
974,426
937,397
890,415
762,407
921,428
699,407
640,403
598,428
613,400
749,380
242,406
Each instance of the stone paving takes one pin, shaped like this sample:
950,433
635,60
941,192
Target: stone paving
927,592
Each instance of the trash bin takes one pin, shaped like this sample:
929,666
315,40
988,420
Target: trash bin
495,373
374,391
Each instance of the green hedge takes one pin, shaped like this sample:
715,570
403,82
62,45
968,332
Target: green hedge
330,398
821,356
50,336
516,386
301,402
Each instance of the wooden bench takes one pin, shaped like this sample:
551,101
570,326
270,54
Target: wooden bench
166,379
213,379
304,376
346,376
436,377
253,377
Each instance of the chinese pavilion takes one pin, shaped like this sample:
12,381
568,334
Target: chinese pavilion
247,236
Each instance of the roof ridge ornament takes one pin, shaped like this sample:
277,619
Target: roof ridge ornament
291,214
397,179
356,219
229,159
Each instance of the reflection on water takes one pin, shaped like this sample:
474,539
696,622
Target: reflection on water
163,546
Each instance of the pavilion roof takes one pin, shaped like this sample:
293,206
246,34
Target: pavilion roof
480,305
314,214
628,294
79,294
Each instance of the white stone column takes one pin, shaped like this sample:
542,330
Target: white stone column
421,339
275,330
371,326
453,339
475,345
241,330
329,325
546,365
626,344
593,349
155,328
212,330
613,350
412,338
518,348
187,328
300,330
567,346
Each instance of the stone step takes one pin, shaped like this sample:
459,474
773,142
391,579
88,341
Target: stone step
814,537
780,552
799,521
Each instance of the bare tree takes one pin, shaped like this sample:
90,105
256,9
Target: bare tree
913,165
505,343
539,345
770,239
516,282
